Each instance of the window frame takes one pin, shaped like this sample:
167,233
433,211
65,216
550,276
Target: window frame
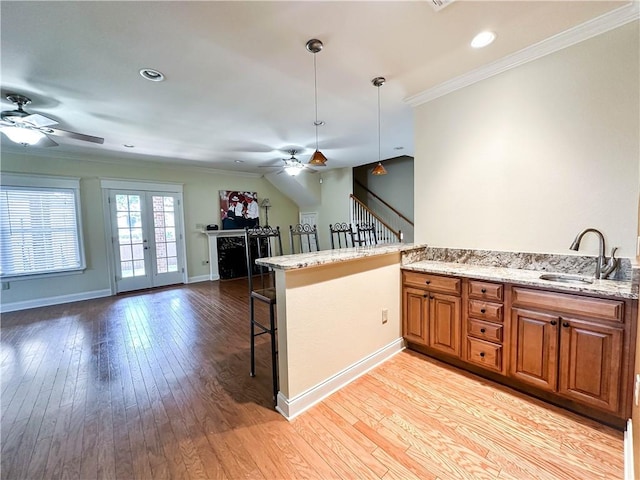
17,181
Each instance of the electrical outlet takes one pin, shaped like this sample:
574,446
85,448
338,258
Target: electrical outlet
385,315
636,392
5,285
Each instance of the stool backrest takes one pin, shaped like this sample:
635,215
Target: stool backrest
342,235
261,242
303,238
366,234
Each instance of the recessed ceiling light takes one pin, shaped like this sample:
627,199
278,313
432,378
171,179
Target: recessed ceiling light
483,39
128,145
151,74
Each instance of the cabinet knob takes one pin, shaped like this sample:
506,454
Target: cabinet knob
553,322
428,282
565,324
431,297
425,296
482,330
484,290
482,354
483,310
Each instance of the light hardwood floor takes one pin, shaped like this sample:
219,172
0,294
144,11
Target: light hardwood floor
155,385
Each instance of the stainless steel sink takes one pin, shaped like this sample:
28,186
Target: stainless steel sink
557,277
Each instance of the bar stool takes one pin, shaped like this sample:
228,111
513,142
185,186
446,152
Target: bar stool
343,234
261,242
303,238
366,234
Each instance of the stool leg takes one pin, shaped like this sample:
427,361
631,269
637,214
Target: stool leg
253,338
274,358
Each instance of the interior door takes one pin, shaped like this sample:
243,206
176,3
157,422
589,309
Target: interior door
147,249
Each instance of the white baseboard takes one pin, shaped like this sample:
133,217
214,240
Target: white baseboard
48,301
199,278
629,467
290,408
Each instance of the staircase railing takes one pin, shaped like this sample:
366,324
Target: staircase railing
388,214
360,213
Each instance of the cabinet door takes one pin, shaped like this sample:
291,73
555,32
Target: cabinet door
444,323
415,315
534,357
590,363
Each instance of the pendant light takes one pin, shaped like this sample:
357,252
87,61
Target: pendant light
317,159
379,168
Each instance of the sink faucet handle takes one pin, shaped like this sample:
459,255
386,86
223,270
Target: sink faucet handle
610,264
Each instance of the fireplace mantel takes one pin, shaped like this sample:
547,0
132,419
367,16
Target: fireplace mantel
213,235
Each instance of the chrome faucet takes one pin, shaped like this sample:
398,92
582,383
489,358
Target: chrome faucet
604,266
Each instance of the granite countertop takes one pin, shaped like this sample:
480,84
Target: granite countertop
326,257
614,288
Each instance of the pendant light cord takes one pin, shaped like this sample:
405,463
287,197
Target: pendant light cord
379,125
315,88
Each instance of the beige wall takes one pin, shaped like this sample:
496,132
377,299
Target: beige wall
524,160
201,205
336,186
325,331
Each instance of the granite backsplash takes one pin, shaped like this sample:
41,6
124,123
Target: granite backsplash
573,264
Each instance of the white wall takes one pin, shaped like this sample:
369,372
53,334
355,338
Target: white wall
201,206
524,160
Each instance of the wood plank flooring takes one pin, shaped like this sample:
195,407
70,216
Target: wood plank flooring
156,385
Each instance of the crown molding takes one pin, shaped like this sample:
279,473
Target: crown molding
597,26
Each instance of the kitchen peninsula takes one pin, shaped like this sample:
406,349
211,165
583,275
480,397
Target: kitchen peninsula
339,314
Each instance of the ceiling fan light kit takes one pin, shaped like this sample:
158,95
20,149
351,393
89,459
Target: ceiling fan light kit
379,168
314,46
29,129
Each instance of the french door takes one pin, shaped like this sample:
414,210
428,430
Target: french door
146,240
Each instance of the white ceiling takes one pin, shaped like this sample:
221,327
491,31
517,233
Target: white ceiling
239,81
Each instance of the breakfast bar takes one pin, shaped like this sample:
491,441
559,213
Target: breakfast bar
339,314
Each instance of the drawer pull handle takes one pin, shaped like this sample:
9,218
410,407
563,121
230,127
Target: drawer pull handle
431,297
428,282
484,290
482,354
565,324
482,330
425,295
553,323
483,310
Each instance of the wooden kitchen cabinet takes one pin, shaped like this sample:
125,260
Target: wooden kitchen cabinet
432,312
577,358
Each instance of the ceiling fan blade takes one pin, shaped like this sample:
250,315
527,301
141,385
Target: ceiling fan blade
46,142
38,120
74,135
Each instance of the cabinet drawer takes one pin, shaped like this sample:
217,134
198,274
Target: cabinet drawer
435,283
600,308
486,290
485,330
485,354
485,310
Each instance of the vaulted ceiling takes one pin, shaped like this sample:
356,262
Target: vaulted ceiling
239,86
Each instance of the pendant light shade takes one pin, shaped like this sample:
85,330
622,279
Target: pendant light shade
317,159
379,168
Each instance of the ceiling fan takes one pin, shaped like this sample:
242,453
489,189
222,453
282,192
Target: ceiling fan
292,166
30,129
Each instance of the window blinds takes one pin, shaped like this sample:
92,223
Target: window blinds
39,231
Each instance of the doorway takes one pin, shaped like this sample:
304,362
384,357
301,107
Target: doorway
147,247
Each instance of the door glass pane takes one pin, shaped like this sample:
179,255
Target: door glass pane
130,237
165,234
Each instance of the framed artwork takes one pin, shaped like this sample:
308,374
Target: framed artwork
239,209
